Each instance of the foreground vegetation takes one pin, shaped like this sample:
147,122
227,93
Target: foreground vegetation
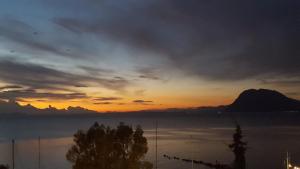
101,147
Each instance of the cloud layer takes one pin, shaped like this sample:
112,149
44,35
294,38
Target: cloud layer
40,77
219,40
71,49
33,94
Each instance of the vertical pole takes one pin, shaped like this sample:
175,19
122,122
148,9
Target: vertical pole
192,157
39,164
287,160
192,162
13,154
156,144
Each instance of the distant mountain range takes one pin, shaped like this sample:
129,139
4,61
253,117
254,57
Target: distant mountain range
13,108
252,100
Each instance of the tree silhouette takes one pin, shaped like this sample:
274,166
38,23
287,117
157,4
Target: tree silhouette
238,147
104,148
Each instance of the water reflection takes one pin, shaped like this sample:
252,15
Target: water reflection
268,144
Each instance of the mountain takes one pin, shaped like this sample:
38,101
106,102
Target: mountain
13,108
263,100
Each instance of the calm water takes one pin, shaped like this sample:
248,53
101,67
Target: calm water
184,136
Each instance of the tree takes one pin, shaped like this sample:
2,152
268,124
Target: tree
101,147
238,147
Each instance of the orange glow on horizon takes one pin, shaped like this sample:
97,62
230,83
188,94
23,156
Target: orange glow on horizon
128,105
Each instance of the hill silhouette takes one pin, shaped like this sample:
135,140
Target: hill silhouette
263,100
13,108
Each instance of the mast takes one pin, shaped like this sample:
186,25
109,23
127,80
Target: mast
13,154
192,161
192,156
156,144
192,164
39,162
287,160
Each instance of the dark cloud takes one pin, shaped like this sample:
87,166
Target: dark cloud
41,77
21,33
10,87
24,37
81,85
104,103
149,73
96,71
282,82
42,100
144,102
35,76
107,98
219,40
149,77
20,95
109,103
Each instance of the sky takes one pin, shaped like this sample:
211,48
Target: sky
109,55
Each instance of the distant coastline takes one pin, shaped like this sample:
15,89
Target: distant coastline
250,102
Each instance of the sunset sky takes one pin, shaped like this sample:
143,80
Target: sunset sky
110,55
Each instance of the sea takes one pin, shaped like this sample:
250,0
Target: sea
186,136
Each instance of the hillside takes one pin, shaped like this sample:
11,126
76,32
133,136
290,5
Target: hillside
263,100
